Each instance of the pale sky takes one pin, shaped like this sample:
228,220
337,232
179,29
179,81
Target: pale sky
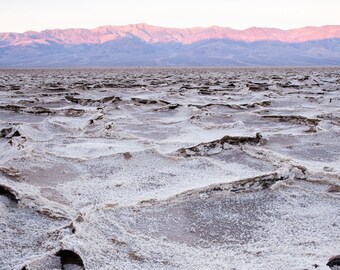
23,15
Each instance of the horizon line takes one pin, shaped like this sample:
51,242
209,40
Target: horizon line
179,28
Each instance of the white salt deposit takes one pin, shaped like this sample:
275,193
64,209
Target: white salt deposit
169,169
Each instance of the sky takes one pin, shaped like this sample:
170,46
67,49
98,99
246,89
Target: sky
24,15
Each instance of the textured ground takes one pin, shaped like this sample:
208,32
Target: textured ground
169,168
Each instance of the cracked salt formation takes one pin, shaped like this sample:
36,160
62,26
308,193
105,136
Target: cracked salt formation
170,169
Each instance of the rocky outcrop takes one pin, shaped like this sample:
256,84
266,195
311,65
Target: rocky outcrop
334,262
217,146
70,260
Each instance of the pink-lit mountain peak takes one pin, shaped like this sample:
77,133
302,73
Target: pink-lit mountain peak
153,34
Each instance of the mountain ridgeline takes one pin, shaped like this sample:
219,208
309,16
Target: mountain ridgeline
145,45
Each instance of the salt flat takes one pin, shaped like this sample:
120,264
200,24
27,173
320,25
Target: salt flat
169,168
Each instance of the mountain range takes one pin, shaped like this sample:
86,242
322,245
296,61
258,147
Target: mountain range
146,45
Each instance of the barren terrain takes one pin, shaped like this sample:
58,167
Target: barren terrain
169,168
